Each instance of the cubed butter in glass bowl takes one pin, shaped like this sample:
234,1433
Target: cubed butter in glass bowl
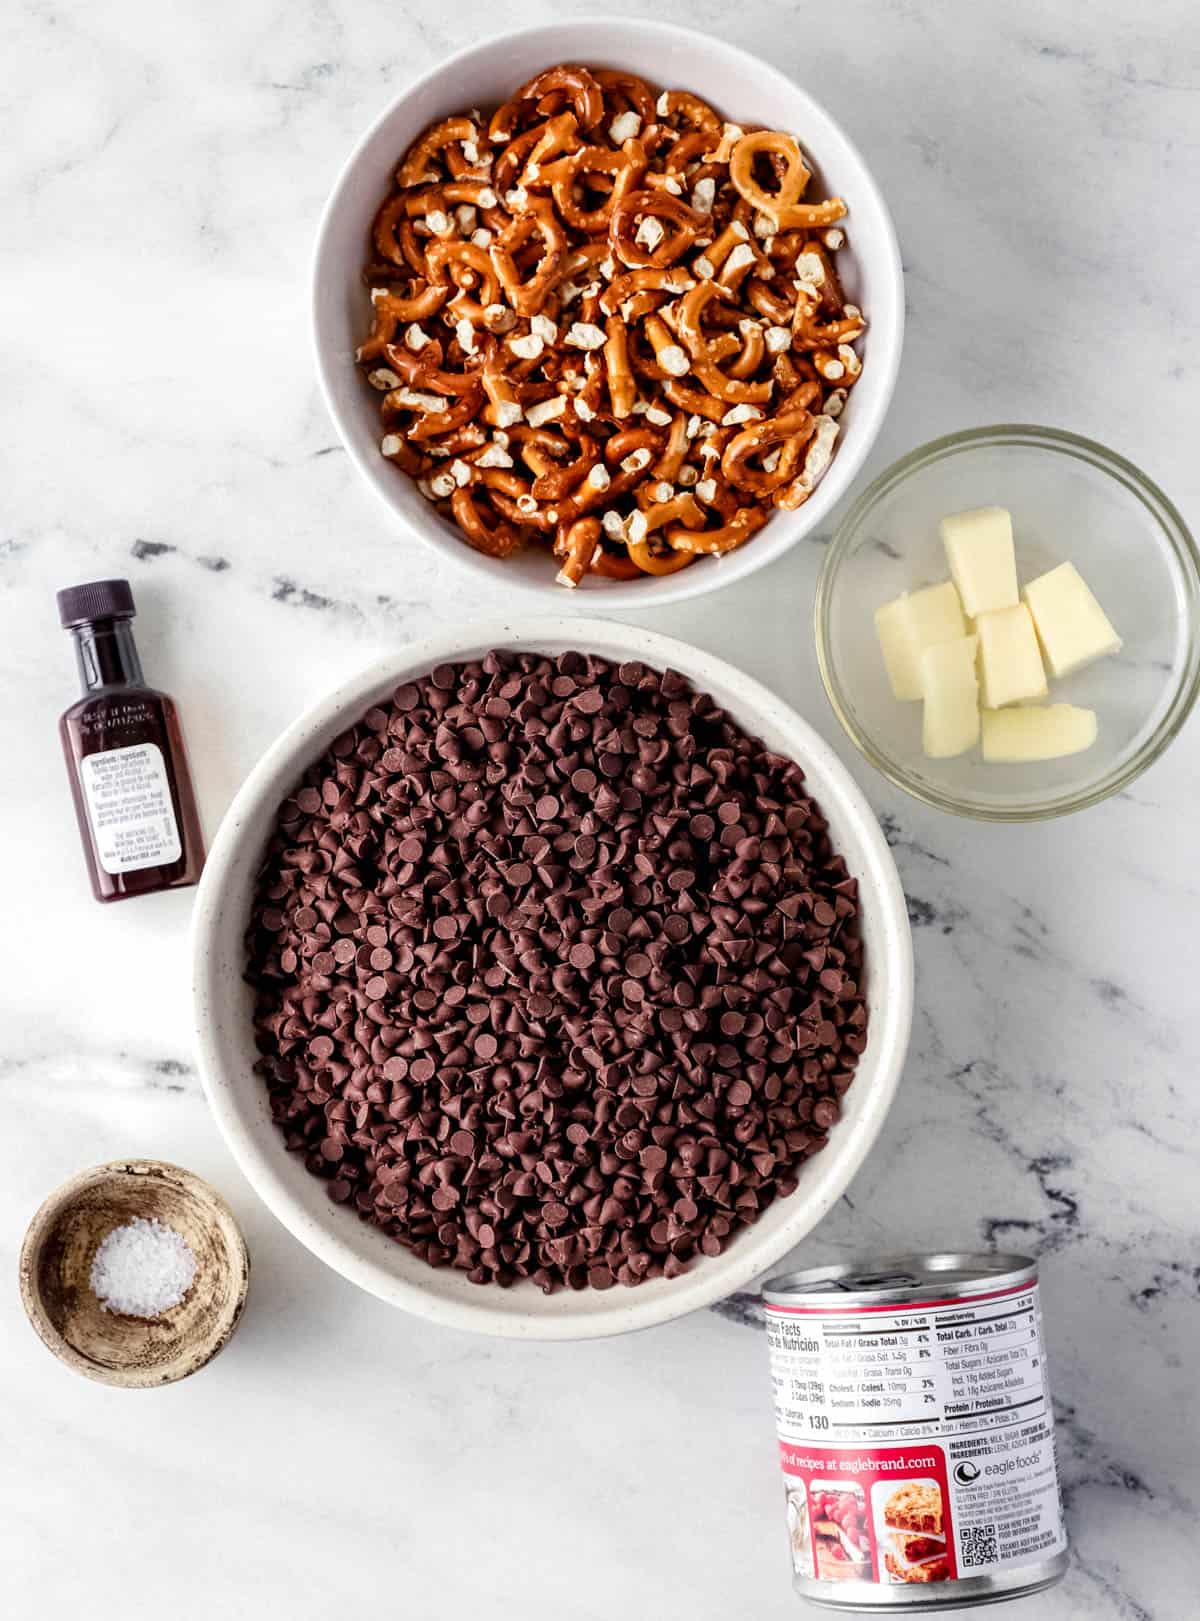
1072,502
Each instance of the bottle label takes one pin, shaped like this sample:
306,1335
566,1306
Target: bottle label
129,807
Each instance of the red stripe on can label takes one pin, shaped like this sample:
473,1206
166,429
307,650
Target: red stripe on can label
917,1442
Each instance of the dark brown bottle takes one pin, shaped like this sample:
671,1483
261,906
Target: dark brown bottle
125,756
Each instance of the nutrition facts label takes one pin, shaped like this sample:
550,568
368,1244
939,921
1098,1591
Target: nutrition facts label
944,1406
934,1372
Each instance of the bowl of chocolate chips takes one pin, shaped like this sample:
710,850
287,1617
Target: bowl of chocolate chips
552,978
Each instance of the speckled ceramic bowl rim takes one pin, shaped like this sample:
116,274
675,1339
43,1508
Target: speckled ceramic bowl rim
40,1227
334,1235
1174,534
644,41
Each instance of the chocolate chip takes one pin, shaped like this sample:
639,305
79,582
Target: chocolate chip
562,983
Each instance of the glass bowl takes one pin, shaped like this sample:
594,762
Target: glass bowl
1071,500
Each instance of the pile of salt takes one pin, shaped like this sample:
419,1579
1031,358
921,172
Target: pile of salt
142,1269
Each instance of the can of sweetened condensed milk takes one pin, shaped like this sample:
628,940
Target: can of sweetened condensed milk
915,1431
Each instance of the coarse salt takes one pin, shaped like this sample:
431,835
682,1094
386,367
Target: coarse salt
142,1269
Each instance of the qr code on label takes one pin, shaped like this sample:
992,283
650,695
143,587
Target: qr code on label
979,1545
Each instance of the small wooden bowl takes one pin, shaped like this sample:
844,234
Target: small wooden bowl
135,1353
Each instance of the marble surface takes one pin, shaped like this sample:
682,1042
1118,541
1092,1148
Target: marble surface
161,172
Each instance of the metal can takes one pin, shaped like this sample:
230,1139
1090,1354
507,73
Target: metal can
915,1431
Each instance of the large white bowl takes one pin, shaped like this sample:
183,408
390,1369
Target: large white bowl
738,86
224,1003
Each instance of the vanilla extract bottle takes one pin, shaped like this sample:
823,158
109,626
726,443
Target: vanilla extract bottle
125,756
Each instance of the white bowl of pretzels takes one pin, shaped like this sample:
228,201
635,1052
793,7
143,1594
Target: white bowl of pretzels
604,304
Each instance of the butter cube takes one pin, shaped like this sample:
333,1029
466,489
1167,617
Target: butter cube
950,723
1072,626
983,560
1008,657
910,624
1040,732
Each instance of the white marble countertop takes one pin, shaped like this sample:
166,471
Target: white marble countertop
161,172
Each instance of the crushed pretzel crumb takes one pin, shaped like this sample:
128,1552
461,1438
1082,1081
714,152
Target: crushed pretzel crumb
546,411
493,455
527,347
416,401
585,335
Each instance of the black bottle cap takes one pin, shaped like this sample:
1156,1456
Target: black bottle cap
101,599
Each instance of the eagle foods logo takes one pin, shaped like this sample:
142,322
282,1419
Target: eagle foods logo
966,1472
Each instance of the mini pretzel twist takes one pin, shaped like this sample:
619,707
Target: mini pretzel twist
609,324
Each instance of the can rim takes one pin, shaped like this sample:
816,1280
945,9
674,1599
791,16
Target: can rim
936,1273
